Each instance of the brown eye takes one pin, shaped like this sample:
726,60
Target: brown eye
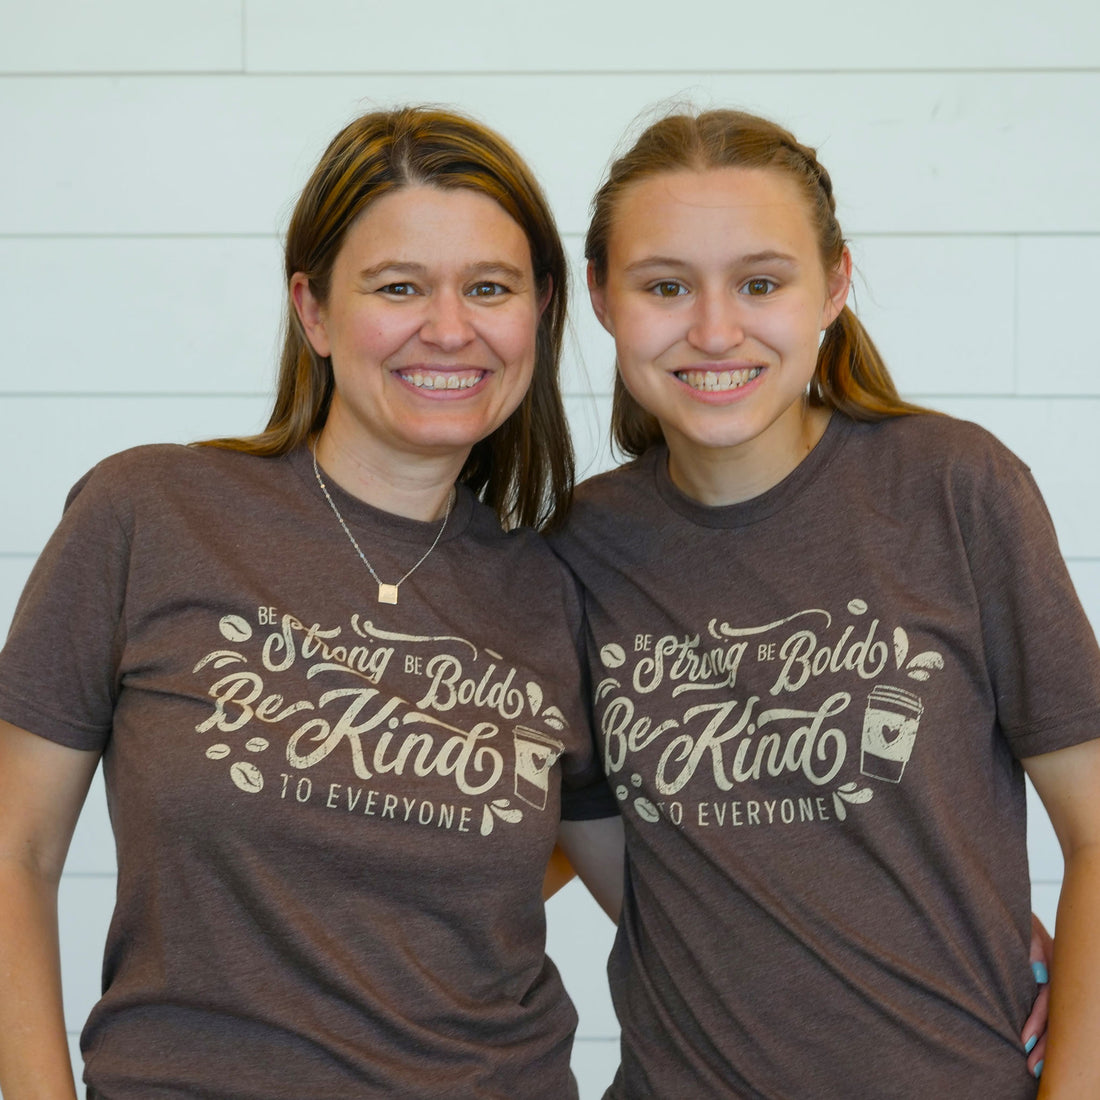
668,288
757,287
487,290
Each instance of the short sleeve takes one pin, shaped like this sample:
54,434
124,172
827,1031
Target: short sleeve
1041,651
59,665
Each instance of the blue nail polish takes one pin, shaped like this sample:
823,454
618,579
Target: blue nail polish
1029,1046
1038,1071
1040,972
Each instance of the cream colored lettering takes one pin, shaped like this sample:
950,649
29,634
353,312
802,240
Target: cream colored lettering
476,767
803,658
280,650
449,687
758,751
234,695
389,804
345,728
713,668
621,732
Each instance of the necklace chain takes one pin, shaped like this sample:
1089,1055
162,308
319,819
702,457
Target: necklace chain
387,593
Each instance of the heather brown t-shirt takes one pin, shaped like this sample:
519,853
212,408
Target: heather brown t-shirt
332,815
811,708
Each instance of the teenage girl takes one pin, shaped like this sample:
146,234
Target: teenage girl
829,633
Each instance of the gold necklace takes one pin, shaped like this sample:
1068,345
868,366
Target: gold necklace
387,593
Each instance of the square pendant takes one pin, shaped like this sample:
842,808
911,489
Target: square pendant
387,593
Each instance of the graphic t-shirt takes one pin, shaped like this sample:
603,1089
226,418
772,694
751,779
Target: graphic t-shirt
811,707
332,815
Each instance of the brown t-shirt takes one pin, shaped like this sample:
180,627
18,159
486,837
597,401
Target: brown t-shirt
332,815
811,707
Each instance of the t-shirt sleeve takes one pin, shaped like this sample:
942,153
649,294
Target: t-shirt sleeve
1041,652
59,665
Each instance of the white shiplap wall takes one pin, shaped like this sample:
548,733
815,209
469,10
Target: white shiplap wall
151,153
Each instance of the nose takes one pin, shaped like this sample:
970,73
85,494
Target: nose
447,322
716,323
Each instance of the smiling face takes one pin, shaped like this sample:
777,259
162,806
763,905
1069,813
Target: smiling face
430,325
716,296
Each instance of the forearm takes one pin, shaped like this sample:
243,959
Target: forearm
34,1052
1072,1066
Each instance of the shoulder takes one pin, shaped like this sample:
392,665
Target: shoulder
928,447
159,476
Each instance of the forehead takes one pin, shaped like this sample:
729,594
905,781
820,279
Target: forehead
717,206
437,222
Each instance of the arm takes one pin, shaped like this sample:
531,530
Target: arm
597,849
42,788
559,871
1067,781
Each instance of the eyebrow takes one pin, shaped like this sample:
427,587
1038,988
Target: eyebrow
482,268
766,256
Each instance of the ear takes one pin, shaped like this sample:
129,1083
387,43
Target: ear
547,294
598,296
838,284
311,313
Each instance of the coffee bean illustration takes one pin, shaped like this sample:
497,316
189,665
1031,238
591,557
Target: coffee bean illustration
857,607
612,655
256,744
235,629
646,810
621,793
217,752
247,776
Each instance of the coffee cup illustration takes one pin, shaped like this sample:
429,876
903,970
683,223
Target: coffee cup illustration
535,756
889,731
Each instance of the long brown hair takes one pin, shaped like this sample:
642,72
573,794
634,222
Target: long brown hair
850,376
524,470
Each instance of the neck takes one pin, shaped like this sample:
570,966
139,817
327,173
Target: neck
716,476
416,487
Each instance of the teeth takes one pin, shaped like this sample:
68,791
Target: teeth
437,381
717,381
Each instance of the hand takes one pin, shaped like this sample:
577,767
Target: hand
1035,1027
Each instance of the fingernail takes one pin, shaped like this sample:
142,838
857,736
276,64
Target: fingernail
1038,1070
1040,972
1029,1046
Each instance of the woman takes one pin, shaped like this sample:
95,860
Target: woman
828,634
334,700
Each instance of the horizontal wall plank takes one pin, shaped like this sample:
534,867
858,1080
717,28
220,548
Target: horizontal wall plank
14,570
1059,281
122,36
576,35
909,153
91,428
935,338
152,315
201,315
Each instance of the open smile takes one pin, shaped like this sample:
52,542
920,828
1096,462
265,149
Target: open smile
711,381
438,380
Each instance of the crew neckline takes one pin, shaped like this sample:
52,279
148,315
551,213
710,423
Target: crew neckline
760,507
361,514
